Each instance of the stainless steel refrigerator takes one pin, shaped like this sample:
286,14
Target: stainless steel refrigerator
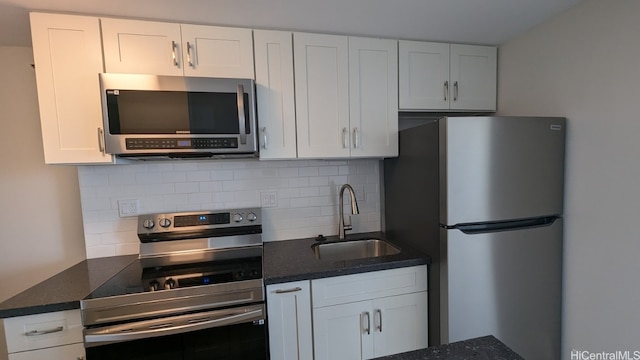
483,196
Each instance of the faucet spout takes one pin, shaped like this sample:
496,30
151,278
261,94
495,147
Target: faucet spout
342,227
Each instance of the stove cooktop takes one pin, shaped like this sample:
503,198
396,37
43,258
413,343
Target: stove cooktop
135,279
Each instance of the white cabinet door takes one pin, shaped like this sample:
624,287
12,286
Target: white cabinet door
372,314
214,51
473,77
322,95
373,87
438,76
343,331
275,94
68,59
141,47
289,316
424,75
67,352
400,323
374,328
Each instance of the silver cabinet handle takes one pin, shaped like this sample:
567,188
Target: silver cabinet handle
174,56
365,329
455,91
345,140
101,140
379,313
285,291
264,137
44,332
355,137
241,115
189,61
446,90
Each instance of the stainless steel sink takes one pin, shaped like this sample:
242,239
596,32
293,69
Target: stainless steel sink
353,249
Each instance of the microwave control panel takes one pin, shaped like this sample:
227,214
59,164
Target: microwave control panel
168,143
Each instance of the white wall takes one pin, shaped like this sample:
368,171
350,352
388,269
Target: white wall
307,193
585,65
40,218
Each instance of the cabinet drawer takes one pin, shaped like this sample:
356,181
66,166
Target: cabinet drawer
67,352
366,286
43,330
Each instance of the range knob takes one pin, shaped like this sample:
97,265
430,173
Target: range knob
164,222
252,217
148,224
169,284
237,218
153,285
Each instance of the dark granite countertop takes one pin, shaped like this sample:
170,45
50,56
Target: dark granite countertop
483,348
65,290
294,260
284,261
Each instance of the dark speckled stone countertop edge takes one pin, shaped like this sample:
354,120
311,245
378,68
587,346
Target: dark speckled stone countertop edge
283,261
64,290
294,260
482,348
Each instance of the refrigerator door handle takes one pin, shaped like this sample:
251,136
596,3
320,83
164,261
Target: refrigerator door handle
488,227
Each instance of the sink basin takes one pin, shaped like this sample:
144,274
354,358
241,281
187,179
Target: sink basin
353,249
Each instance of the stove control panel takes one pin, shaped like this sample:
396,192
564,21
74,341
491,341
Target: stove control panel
188,222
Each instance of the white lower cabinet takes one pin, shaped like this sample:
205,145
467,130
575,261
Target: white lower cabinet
66,352
51,336
371,314
289,317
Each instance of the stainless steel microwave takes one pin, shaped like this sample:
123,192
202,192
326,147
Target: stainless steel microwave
178,117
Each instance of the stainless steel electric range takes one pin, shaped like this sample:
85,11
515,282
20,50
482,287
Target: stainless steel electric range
196,292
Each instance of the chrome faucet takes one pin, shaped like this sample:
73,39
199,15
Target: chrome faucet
342,227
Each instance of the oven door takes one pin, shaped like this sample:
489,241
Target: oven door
235,333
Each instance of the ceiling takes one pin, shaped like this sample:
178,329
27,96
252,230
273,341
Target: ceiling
488,22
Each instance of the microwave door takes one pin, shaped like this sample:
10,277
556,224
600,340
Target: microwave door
178,115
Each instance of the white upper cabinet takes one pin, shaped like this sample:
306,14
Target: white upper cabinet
473,74
275,92
141,47
322,95
158,48
373,97
443,77
68,59
217,51
346,96
424,75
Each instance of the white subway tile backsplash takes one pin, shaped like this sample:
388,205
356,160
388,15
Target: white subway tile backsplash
198,175
307,196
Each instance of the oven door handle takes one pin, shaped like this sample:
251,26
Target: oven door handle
170,326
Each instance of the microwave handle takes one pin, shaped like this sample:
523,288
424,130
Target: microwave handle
241,115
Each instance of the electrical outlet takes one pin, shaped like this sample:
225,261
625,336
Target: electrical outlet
129,207
269,199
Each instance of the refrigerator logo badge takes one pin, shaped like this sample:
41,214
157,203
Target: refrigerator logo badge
555,127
